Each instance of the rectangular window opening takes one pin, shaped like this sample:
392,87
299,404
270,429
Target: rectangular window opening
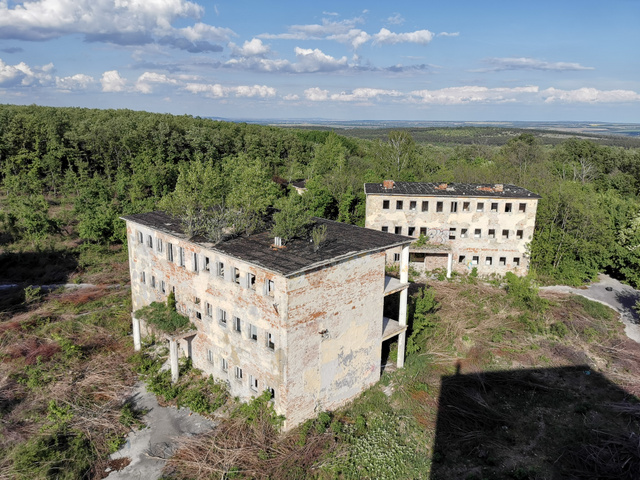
385,229
170,252
220,269
270,287
159,245
505,234
507,208
222,317
399,204
270,344
198,315
464,233
208,309
236,275
423,231
253,332
181,256
149,241
237,324
425,206
210,356
224,364
488,261
140,237
466,206
461,258
253,383
503,261
516,261
480,207
452,234
475,259
396,257
522,207
477,233
413,205
439,207
195,261
163,286
153,281
385,204
251,281
454,207
519,234
492,233
143,277
397,230
207,264
412,231
494,207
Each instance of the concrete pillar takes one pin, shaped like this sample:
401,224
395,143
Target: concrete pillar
449,264
137,344
173,359
402,314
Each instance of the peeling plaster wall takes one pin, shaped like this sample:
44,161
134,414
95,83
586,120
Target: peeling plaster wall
267,313
324,371
438,225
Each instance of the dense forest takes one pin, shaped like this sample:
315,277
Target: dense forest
92,166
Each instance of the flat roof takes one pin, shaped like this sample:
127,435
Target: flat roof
450,190
342,241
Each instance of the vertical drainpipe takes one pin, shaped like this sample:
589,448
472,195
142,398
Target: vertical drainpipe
402,314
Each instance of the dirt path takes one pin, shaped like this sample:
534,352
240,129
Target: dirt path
150,447
621,298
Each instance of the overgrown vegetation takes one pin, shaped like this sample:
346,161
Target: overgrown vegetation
164,317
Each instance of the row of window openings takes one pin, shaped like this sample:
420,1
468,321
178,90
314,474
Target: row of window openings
453,206
252,330
236,276
464,232
254,383
154,283
502,261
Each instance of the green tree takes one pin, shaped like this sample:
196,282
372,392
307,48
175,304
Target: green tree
292,220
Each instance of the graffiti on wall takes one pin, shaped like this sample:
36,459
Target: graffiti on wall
437,235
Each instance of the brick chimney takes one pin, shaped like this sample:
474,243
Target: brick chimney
498,187
442,186
388,184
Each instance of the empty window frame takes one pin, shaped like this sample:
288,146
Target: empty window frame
503,261
454,207
198,315
466,206
488,261
461,258
516,261
163,286
412,231
208,309
519,234
269,341
224,364
423,231
269,287
210,356
452,234
480,207
253,383
159,245
194,259
385,204
272,392
399,204
494,207
236,275
384,229
505,234
153,281
170,252
143,277
425,206
251,281
207,264
196,300
238,374
220,269
477,233
180,257
507,207
522,207
149,241
413,205
140,237
222,317
439,207
464,232
475,259
253,332
492,233
397,230
237,324
396,257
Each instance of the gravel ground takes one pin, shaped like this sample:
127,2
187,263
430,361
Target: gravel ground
150,447
621,298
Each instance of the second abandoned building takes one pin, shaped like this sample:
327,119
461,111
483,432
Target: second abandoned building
466,226
306,323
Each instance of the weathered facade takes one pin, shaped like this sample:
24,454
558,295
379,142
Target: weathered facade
305,323
466,225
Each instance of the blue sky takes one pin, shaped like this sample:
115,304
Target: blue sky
359,60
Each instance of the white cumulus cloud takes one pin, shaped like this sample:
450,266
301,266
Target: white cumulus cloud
472,94
314,60
147,79
589,95
23,75
316,94
79,81
112,81
250,48
385,36
220,91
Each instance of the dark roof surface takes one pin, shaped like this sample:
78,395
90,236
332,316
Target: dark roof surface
342,241
450,189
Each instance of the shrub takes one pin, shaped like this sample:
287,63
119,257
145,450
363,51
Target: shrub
559,329
163,317
524,294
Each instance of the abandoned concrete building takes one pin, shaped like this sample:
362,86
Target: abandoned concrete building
466,225
306,323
